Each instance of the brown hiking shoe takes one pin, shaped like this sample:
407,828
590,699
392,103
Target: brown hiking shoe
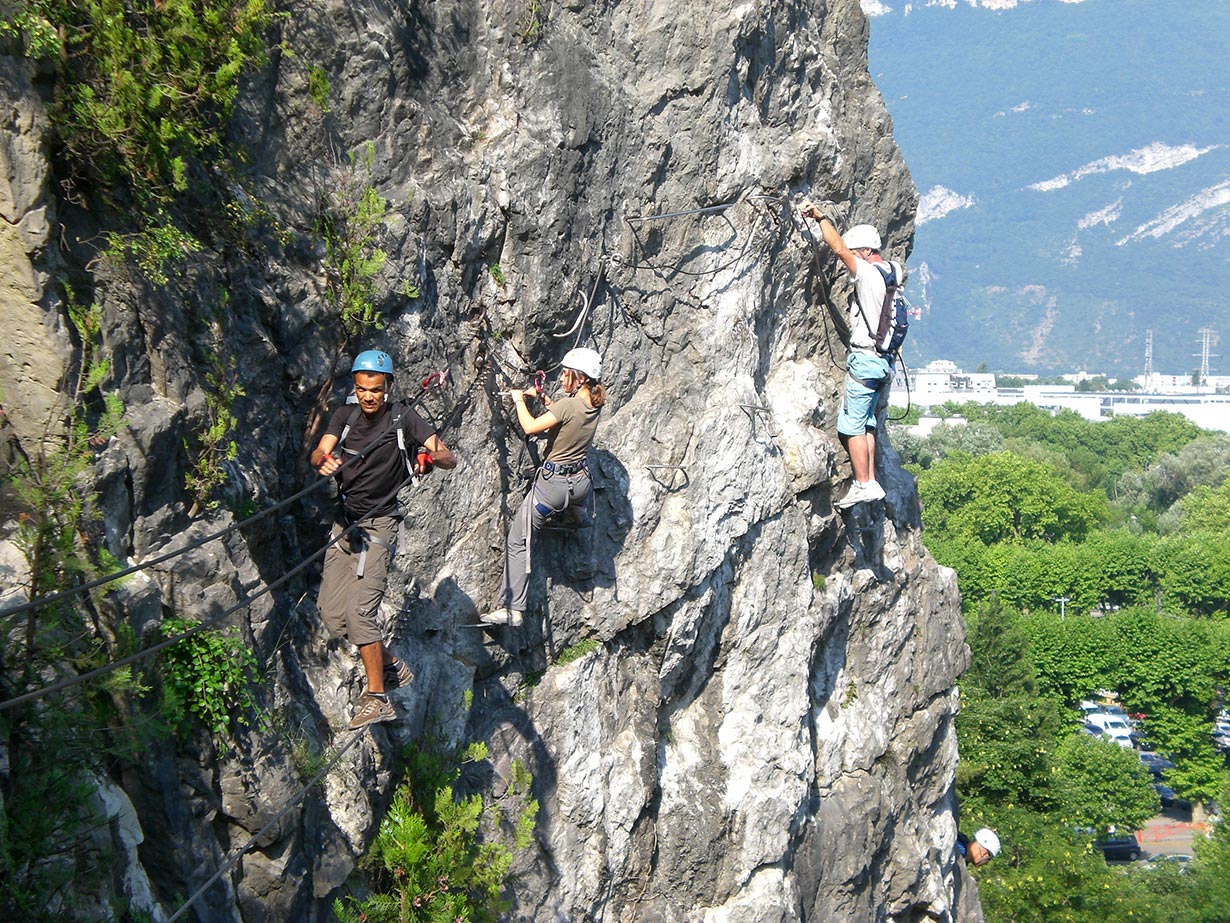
372,711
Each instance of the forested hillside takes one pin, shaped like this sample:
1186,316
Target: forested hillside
1091,559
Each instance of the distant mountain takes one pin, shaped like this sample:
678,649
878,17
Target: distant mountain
1073,158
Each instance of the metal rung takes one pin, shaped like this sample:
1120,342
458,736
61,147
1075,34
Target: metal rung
691,211
755,410
672,486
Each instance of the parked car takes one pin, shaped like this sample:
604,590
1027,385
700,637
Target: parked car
1105,721
1114,734
1170,799
1179,859
1155,762
1119,848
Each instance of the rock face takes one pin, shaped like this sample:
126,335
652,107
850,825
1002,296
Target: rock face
737,704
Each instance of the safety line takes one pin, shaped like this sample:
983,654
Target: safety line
71,681
435,377
692,211
662,272
298,796
587,303
162,559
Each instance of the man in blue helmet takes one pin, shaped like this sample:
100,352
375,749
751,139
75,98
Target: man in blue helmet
378,436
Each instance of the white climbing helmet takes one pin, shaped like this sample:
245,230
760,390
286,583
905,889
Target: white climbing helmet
860,236
585,361
988,840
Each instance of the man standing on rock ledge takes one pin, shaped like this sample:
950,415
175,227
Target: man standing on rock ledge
868,373
380,437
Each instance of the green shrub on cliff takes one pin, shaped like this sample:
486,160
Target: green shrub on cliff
145,88
439,858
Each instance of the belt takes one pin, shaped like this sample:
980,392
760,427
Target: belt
569,468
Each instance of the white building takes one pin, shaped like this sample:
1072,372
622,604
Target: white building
941,381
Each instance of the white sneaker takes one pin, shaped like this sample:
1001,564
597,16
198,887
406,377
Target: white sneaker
510,617
860,492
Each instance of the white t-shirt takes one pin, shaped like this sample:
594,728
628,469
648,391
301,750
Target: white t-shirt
869,288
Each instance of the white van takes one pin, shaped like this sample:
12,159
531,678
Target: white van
1112,727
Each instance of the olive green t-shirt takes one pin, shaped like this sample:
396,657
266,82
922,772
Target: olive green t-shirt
578,422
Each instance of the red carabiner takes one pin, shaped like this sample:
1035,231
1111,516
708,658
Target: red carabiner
540,382
436,378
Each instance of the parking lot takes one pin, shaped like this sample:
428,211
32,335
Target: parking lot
1170,834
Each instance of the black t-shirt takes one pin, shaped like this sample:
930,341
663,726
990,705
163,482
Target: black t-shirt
367,481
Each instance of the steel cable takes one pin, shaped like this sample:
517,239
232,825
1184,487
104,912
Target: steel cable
71,681
434,377
238,854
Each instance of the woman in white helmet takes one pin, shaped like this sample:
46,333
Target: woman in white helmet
563,480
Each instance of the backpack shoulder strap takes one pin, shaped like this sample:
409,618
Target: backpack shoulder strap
890,286
397,420
350,421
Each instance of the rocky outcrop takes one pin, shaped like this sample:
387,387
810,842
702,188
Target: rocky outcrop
759,724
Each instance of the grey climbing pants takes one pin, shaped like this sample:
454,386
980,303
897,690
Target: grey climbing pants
551,493
355,574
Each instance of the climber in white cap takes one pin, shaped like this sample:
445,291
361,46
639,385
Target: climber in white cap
563,481
981,849
869,372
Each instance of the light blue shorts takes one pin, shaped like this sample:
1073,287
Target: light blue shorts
858,408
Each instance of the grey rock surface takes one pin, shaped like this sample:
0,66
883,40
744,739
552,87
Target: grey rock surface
737,704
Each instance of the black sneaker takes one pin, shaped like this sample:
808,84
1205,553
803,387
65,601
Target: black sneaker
372,710
397,675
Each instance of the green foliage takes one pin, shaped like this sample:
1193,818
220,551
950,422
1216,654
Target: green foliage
351,224
945,440
1003,497
440,857
1006,734
532,21
1098,453
216,446
209,675
1000,662
1007,749
53,748
25,22
51,484
144,89
497,273
319,87
1159,639
154,248
1103,786
577,651
1047,875
1206,509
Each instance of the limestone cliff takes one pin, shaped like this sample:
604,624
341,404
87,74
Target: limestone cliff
763,729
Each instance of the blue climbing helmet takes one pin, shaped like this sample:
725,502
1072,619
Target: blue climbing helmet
373,360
